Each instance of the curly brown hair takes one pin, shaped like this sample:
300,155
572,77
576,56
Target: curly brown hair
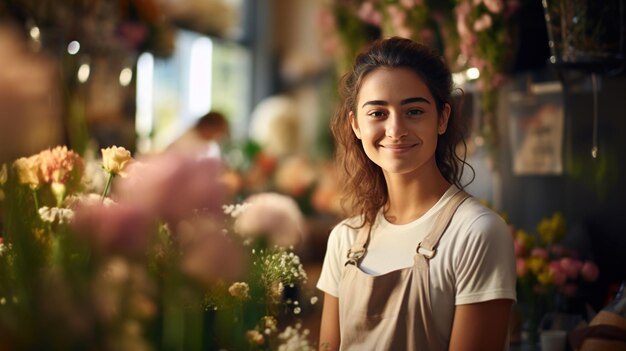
365,189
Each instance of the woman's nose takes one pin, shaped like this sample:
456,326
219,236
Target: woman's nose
395,127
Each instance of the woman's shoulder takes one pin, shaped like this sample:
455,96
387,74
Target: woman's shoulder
475,218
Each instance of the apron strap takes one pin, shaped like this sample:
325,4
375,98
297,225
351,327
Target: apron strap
425,251
428,246
359,248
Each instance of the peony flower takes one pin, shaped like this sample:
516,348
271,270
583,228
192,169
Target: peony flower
274,215
114,159
209,256
589,271
115,229
171,186
28,171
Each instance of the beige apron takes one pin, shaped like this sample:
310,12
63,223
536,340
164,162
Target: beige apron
391,311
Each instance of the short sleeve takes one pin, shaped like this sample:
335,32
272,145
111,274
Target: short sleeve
332,266
485,265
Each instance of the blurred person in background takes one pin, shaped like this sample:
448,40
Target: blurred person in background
205,138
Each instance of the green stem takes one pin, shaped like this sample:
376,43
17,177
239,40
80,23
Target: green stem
107,186
36,200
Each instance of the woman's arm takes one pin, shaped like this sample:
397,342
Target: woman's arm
481,326
329,329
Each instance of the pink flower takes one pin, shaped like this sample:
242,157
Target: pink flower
539,252
571,267
209,256
520,266
557,250
274,215
558,274
171,186
57,164
113,229
519,248
589,271
368,14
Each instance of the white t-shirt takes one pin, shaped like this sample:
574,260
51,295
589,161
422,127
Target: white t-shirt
475,260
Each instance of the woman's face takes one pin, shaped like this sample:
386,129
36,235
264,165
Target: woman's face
397,120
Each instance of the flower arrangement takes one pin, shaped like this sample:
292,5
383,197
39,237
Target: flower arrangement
468,33
548,274
152,260
312,185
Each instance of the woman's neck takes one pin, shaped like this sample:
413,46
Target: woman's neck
409,199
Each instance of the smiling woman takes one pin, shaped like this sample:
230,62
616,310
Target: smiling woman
398,121
420,264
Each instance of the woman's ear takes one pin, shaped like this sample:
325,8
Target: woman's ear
355,125
443,120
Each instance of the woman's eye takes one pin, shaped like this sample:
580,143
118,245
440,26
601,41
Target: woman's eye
377,114
414,112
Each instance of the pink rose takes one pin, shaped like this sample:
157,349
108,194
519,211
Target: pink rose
519,248
571,267
539,252
521,268
589,271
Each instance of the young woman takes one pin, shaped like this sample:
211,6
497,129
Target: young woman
421,265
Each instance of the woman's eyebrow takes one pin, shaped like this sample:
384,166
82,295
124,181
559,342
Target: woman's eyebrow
403,102
376,103
414,99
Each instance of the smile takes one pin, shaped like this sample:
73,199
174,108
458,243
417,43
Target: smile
398,147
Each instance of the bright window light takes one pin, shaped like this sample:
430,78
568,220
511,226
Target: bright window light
145,79
200,76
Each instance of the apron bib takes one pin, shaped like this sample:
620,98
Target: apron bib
392,311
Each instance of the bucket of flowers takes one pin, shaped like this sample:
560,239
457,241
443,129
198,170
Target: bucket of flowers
549,275
144,254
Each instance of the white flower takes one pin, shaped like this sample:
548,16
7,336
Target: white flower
292,339
54,214
114,159
240,290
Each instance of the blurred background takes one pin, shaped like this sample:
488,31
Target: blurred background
543,91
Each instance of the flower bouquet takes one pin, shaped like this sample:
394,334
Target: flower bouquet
548,274
143,254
